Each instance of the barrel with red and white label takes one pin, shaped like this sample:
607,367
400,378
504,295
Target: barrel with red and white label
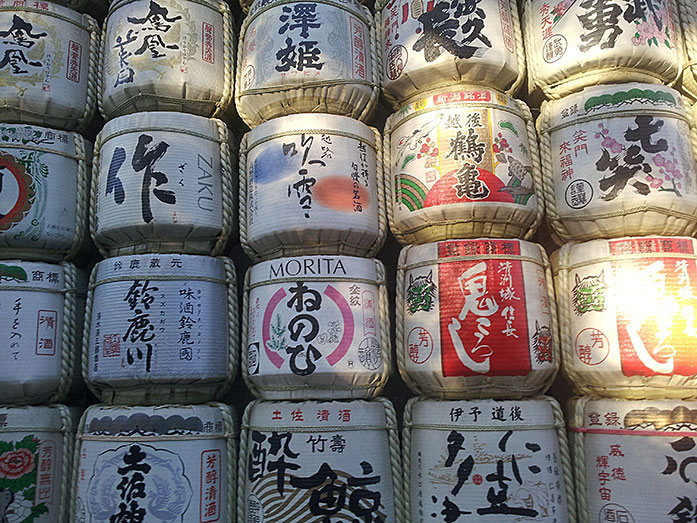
41,312
162,182
311,184
300,460
316,327
633,460
306,57
462,163
481,44
618,160
161,328
44,182
167,55
166,463
36,456
628,310
571,45
476,319
507,461
48,65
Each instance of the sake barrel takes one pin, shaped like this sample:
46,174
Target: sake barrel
503,460
571,45
162,182
301,57
631,459
167,55
618,160
161,328
431,44
462,163
311,184
36,455
44,192
627,309
476,319
316,327
300,461
41,311
49,65
166,463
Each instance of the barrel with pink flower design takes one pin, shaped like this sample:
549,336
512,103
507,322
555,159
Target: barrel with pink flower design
618,160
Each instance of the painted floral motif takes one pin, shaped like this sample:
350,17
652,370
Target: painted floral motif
18,481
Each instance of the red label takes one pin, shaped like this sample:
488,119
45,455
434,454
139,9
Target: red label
483,317
208,45
46,333
72,71
656,307
210,485
44,477
358,50
462,96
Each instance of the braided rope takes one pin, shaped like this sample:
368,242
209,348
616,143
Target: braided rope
536,168
375,67
101,74
81,216
228,61
86,333
567,469
243,180
385,339
528,37
406,454
391,196
678,43
399,327
76,466
92,72
94,196
245,338
68,443
69,351
228,194
547,171
380,180
689,30
400,499
519,45
579,453
693,135
230,433
240,104
564,312
556,349
233,318
242,461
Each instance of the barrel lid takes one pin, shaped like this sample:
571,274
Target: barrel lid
351,5
482,248
322,267
169,266
162,121
645,415
46,418
32,275
16,136
117,4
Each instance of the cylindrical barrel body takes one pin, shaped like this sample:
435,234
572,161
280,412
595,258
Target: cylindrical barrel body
167,55
48,65
317,327
311,184
296,57
167,463
306,460
161,328
431,44
162,182
627,311
462,163
618,160
36,457
632,459
460,456
476,319
45,191
41,311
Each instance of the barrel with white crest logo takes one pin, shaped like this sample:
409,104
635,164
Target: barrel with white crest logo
301,57
628,310
48,65
571,45
165,463
316,327
41,312
618,160
44,197
462,162
299,460
161,328
167,55
480,43
311,184
162,182
476,318
36,457
633,460
507,461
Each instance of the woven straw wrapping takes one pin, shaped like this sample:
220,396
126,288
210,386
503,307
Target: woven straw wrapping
603,64
559,426
419,75
144,392
171,90
162,236
400,499
279,97
630,213
329,232
308,390
435,385
463,219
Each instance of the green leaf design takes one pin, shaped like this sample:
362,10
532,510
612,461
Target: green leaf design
30,493
278,340
408,158
5,446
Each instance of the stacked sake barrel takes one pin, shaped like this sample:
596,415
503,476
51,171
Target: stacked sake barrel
48,61
160,340
319,443
618,164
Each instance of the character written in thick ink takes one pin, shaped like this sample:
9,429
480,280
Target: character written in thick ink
20,36
154,43
468,183
306,54
600,17
157,19
131,487
144,159
259,459
303,300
